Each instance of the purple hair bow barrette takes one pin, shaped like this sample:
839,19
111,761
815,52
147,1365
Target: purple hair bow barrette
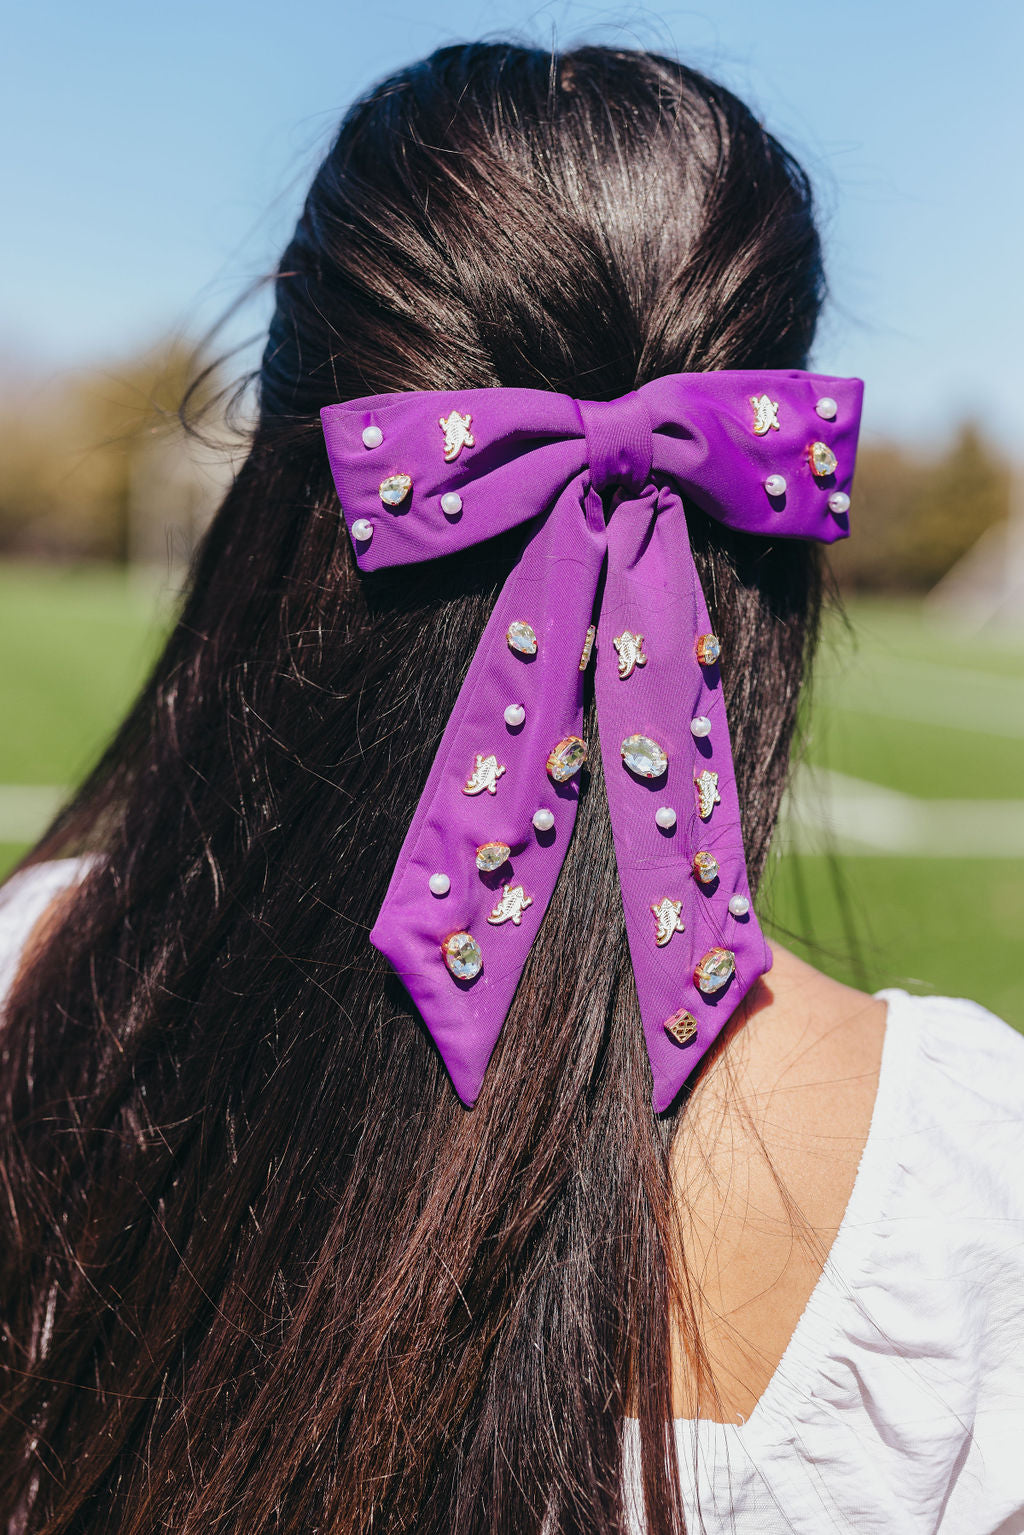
423,474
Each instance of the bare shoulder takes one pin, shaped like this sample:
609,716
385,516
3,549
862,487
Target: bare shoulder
763,1165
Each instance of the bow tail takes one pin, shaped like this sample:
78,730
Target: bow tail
654,687
487,784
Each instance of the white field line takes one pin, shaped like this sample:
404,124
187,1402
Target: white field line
950,696
823,812
828,811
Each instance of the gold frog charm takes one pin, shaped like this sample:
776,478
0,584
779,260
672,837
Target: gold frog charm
484,777
512,902
706,785
766,414
457,434
668,919
630,650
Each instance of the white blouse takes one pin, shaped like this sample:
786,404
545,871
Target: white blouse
898,1406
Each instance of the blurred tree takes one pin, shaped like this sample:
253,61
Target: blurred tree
915,516
76,457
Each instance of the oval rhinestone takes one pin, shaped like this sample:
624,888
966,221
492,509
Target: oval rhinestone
395,488
682,1026
709,648
715,970
566,758
705,866
463,956
521,637
823,460
491,856
643,756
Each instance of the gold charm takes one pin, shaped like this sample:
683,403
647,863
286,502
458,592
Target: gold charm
669,921
682,1026
708,648
485,775
630,648
715,970
706,785
766,414
462,955
511,905
395,488
491,856
822,460
457,434
588,646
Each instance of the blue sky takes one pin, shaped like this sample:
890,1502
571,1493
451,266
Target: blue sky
156,157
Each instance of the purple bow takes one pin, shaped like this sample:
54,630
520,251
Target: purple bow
423,474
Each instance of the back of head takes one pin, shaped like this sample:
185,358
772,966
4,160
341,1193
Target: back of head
261,1269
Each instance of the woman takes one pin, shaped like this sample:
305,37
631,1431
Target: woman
261,1269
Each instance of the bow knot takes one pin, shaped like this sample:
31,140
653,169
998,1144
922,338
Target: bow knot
424,474
619,443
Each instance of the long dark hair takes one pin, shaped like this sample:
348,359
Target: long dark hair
259,1269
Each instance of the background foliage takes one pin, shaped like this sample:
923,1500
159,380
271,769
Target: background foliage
918,513
94,464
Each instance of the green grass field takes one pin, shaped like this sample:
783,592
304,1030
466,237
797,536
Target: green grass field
903,702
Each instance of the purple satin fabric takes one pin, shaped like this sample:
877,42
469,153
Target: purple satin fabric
605,484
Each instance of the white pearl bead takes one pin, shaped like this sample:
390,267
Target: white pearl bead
543,819
665,817
440,884
362,530
826,408
839,502
514,715
372,436
701,726
739,905
775,484
451,503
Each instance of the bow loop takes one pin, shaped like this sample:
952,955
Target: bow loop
424,474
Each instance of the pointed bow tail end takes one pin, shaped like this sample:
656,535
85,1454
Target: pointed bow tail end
601,484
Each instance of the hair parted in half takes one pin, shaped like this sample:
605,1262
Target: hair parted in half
259,1268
